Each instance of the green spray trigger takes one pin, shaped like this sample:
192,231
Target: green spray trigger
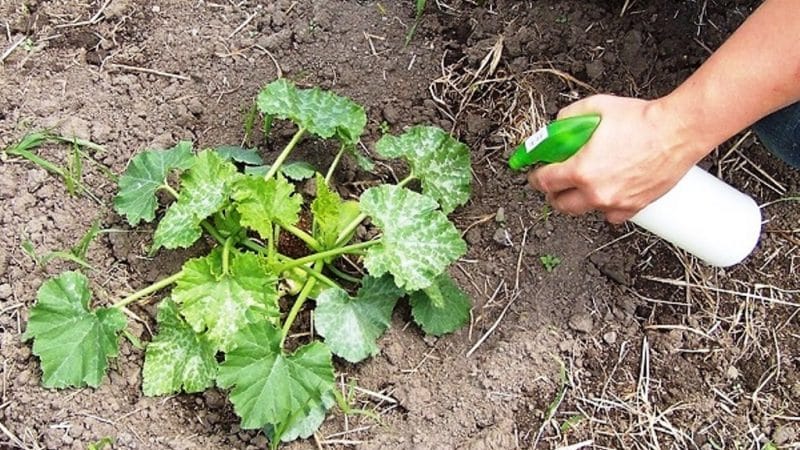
556,142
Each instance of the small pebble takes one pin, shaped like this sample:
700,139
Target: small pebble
581,322
502,237
610,337
500,217
732,373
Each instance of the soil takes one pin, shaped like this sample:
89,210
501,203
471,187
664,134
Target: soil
627,342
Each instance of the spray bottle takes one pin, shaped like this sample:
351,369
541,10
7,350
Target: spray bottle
700,214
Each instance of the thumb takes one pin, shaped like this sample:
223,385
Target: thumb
587,105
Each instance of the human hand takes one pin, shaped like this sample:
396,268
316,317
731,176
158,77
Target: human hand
637,154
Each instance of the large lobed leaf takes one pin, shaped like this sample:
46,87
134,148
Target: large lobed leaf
331,214
205,189
270,387
441,308
222,304
418,242
177,357
145,175
72,341
439,161
351,326
320,112
262,203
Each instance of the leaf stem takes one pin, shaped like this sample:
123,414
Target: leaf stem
298,303
406,180
285,153
226,255
303,236
212,231
327,253
344,275
254,246
335,163
157,286
348,230
170,190
360,218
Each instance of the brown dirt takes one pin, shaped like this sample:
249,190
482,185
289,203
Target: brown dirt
647,363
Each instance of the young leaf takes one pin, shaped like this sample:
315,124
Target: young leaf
320,112
351,326
363,161
177,357
304,422
331,214
205,189
298,170
438,319
270,386
223,303
238,154
72,341
438,160
264,202
146,174
418,241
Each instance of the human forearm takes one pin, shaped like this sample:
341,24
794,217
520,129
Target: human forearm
754,73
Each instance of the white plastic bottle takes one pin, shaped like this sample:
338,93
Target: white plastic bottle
706,217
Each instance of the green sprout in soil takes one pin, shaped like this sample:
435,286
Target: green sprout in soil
549,262
228,317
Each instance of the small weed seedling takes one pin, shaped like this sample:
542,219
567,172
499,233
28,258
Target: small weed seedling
549,262
222,322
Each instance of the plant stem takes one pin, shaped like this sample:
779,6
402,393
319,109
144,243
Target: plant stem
298,304
170,190
212,231
256,247
343,236
327,253
226,255
157,286
303,236
285,153
343,275
357,221
406,180
335,163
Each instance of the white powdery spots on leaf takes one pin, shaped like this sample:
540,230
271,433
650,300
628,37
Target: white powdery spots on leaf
177,358
418,242
440,162
222,304
205,189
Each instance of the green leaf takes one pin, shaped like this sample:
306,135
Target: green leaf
264,202
363,161
304,422
418,242
438,160
351,326
239,154
331,214
72,341
146,174
438,319
320,112
298,170
205,189
222,304
177,357
270,386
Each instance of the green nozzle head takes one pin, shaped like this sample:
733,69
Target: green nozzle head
556,142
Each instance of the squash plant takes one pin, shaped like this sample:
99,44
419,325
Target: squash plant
221,323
